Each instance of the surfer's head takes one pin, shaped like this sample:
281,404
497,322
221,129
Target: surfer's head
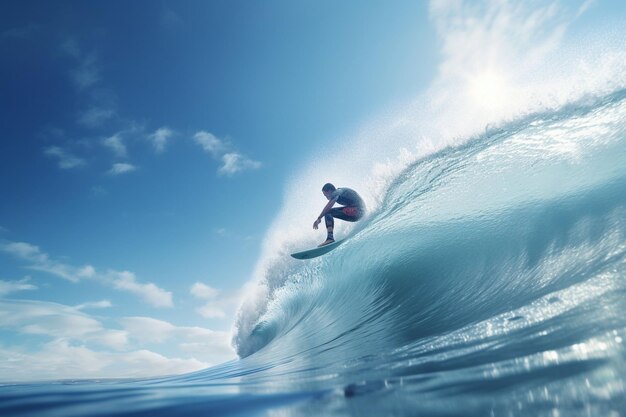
328,189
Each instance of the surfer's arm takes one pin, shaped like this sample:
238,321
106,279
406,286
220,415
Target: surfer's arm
326,209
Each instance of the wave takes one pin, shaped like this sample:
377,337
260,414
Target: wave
466,234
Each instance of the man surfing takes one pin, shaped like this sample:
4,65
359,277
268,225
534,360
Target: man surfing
352,209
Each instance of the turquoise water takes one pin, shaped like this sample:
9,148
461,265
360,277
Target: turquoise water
491,281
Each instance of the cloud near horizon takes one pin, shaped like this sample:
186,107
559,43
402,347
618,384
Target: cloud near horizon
150,330
38,260
212,308
7,287
80,346
152,294
216,305
57,321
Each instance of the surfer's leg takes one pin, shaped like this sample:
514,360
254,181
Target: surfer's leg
330,225
329,219
349,214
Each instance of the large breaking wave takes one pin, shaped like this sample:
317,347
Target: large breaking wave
462,236
502,157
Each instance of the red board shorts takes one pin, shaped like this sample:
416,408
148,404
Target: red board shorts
350,214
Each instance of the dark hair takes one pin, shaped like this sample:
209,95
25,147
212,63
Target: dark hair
328,187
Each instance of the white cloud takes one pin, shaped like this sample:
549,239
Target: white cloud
209,143
116,145
203,291
152,294
121,168
57,321
95,116
25,251
151,330
65,158
86,271
216,306
234,162
61,359
147,329
160,138
82,347
216,350
94,304
212,309
124,281
7,287
40,261
204,343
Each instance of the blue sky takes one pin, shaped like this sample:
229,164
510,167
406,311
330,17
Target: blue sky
147,148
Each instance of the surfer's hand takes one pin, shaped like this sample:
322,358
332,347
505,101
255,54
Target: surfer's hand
316,223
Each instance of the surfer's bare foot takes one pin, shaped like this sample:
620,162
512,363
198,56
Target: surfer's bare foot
326,242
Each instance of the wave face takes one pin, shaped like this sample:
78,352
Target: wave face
491,280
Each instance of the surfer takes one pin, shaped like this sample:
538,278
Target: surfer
352,209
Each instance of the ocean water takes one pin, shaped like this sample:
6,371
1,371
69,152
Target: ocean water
490,281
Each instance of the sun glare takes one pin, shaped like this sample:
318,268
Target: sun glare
488,89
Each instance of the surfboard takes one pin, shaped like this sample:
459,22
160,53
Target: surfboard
315,252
